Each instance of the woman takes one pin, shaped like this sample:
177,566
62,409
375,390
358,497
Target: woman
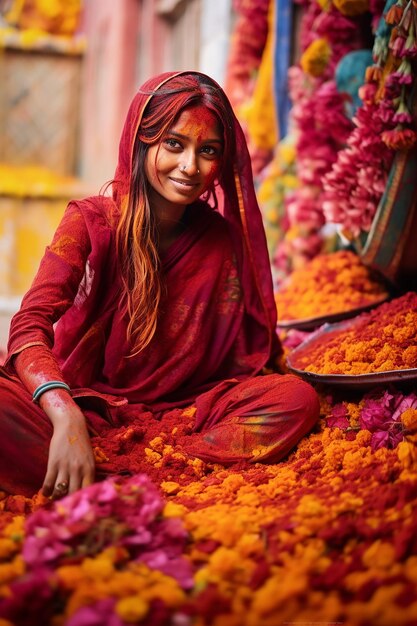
162,298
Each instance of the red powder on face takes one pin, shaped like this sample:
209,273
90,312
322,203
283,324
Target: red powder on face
198,122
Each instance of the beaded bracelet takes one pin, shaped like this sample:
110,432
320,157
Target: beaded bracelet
51,384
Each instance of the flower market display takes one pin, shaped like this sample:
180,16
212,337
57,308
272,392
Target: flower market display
327,285
384,125
329,33
352,115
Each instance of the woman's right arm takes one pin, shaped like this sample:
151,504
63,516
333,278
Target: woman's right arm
53,291
70,459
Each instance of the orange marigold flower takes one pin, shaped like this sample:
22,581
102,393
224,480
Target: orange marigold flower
373,73
99,455
407,454
170,487
399,138
409,419
383,340
394,14
132,609
380,555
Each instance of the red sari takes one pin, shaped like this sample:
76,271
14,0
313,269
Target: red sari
215,333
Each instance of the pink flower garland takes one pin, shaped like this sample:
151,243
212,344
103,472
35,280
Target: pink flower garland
384,124
356,182
321,128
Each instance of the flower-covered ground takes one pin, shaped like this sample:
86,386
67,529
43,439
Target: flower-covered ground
327,536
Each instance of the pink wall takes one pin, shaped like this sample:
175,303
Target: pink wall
127,42
108,83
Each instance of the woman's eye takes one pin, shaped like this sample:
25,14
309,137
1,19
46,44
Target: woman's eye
172,143
209,150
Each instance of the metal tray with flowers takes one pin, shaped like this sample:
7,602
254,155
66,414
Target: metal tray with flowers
353,381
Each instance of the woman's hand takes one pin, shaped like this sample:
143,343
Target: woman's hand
71,458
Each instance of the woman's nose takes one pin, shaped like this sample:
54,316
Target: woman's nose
190,164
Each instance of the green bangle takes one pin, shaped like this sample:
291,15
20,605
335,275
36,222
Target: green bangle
52,384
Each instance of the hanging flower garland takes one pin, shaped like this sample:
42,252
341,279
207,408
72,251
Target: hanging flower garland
328,32
250,60
384,124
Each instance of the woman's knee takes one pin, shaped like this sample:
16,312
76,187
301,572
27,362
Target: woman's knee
299,396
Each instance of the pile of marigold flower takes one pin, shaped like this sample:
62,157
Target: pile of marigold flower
380,341
329,284
328,535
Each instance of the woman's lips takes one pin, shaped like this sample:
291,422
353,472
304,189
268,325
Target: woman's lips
183,184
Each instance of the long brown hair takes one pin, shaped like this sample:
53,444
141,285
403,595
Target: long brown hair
136,235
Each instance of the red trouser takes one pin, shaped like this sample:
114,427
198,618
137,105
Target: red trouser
259,419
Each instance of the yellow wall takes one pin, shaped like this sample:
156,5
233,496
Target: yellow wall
26,228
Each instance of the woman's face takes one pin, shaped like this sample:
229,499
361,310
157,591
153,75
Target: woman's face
186,161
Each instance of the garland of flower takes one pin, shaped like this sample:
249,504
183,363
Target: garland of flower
384,124
328,32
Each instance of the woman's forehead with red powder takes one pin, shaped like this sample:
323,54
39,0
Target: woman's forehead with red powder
198,122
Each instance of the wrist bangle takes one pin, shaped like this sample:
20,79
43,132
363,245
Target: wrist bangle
51,384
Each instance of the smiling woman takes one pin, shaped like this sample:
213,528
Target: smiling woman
150,300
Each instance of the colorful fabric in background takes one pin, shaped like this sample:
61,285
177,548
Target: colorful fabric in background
390,241
283,29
